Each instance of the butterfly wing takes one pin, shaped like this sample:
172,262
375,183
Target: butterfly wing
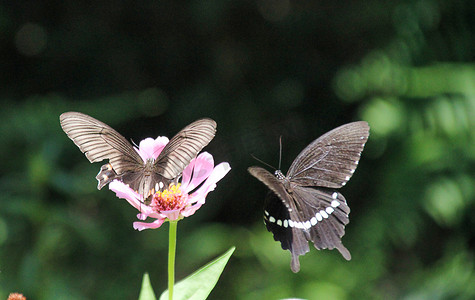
183,147
279,209
98,141
323,215
307,214
330,160
276,219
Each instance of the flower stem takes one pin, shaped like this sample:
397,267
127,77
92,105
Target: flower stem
171,258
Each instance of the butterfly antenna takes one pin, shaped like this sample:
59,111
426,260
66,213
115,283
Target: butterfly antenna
261,161
133,143
280,150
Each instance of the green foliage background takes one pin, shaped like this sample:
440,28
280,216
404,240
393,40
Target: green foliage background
261,69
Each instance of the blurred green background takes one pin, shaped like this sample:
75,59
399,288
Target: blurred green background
261,69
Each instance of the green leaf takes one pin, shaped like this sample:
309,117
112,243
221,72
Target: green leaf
199,285
146,293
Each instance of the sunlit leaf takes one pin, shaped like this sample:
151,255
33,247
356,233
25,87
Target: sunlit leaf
199,285
146,293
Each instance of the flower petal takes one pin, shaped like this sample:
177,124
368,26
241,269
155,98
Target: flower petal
125,192
151,148
191,209
142,225
197,171
172,214
216,175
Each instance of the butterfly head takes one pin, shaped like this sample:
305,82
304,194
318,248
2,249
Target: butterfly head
149,164
279,175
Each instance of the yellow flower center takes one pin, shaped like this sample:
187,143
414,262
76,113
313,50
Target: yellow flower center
169,199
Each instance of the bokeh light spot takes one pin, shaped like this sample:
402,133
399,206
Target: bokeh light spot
31,39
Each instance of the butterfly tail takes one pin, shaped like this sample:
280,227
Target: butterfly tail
295,263
344,252
105,176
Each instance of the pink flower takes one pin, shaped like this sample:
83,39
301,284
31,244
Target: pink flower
177,201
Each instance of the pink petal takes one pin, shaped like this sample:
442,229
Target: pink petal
142,216
198,169
125,192
151,148
142,225
172,214
218,173
190,210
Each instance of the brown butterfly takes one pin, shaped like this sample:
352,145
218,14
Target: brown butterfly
98,141
304,205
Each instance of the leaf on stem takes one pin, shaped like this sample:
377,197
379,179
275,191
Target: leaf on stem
199,285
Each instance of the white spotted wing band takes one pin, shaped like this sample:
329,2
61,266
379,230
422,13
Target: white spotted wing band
304,205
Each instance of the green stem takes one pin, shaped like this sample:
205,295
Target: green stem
171,258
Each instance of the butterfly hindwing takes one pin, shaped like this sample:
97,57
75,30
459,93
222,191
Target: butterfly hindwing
324,215
277,220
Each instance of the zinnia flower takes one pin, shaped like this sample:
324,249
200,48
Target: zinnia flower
176,201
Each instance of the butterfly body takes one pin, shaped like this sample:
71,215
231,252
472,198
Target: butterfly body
98,141
304,205
284,180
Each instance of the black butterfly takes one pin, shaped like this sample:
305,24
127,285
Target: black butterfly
99,141
304,205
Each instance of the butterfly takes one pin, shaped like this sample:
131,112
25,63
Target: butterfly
304,206
98,141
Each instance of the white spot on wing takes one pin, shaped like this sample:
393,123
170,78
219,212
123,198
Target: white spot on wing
335,195
324,214
313,221
291,223
307,225
286,223
318,216
271,219
335,203
279,222
266,212
329,210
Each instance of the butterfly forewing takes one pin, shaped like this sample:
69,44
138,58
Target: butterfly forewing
183,147
271,182
98,141
330,160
